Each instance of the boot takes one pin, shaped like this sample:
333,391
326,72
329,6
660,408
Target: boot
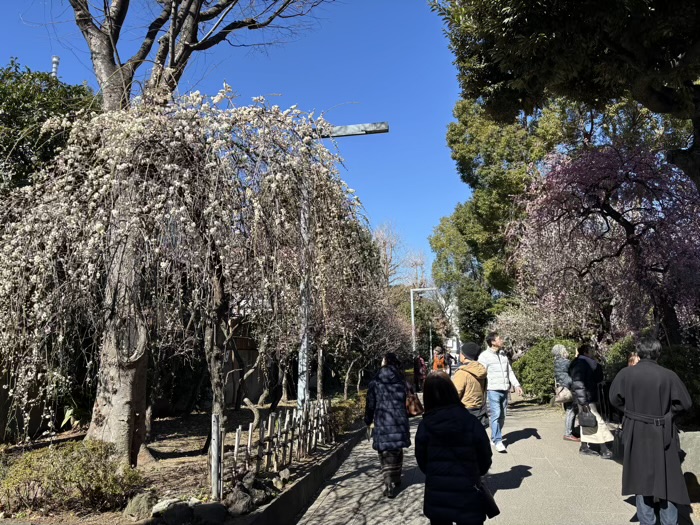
605,452
585,450
389,489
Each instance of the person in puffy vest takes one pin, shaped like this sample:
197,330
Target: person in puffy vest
386,408
499,380
453,451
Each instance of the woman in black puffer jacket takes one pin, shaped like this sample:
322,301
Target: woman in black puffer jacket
386,407
586,373
453,450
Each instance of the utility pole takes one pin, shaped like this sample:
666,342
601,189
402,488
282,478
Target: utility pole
305,288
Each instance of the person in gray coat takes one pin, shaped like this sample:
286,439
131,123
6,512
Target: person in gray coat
650,397
562,378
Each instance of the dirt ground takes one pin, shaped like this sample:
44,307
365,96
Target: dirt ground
179,468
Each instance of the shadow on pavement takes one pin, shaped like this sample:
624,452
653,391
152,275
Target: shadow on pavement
509,480
357,472
518,435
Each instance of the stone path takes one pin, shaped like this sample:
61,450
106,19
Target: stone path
542,480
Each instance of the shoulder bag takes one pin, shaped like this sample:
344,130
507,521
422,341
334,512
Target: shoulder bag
413,405
587,419
562,394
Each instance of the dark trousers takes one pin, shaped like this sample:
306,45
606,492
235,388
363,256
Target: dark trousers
392,462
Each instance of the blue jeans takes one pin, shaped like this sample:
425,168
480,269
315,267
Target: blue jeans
645,511
498,405
570,415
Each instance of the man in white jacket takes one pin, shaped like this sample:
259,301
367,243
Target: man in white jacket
499,379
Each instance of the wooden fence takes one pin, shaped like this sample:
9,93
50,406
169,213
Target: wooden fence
284,437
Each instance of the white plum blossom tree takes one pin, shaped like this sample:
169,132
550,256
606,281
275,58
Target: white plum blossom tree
201,204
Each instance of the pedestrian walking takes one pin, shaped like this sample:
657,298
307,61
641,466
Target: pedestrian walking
563,379
386,408
586,373
439,360
452,450
499,380
420,370
470,382
650,397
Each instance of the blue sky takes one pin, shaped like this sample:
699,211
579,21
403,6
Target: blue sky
357,61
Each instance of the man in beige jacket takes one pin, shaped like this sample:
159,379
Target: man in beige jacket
470,381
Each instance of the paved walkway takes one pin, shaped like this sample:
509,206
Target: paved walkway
542,480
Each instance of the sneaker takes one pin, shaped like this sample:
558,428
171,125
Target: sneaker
572,438
500,447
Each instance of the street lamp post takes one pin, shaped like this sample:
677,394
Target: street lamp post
305,303
413,317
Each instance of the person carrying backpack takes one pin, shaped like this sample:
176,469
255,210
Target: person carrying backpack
439,360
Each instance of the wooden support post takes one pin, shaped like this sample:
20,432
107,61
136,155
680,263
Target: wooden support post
261,447
249,448
215,458
236,448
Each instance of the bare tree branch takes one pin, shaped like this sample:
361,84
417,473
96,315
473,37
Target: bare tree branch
150,37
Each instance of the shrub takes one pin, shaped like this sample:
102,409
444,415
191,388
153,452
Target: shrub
535,370
616,357
345,413
685,361
84,475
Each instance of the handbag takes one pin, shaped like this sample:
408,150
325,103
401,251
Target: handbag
562,395
413,405
488,504
587,419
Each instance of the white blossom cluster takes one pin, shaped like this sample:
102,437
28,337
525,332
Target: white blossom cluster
188,192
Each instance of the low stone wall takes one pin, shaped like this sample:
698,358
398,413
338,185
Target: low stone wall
286,508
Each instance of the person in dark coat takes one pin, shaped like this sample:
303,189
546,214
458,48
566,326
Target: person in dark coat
386,408
650,396
420,370
586,373
562,378
453,451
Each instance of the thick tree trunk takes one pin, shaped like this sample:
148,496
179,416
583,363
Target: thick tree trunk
119,413
670,323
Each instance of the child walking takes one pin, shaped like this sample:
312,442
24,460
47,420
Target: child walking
453,451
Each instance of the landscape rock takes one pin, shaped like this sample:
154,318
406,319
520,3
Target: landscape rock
179,513
139,507
248,480
194,501
209,514
162,506
238,502
285,475
278,483
260,496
